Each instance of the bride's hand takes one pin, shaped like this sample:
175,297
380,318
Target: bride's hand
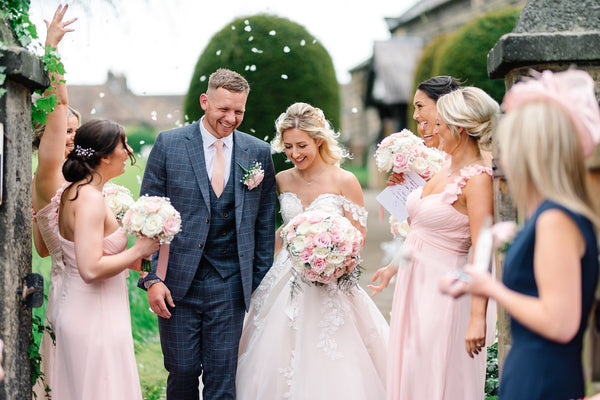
385,274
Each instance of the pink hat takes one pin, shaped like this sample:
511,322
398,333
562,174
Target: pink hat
573,90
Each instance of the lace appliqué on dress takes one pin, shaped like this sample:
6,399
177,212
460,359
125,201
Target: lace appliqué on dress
358,213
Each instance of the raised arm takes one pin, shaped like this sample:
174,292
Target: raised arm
48,177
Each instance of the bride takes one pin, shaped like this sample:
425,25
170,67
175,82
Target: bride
322,342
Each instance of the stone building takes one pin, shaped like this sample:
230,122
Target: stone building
114,100
383,84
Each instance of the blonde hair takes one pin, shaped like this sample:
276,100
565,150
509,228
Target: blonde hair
542,152
229,80
311,120
472,109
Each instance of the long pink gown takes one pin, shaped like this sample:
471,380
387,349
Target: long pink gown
94,358
427,357
47,221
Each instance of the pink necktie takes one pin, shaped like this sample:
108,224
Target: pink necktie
218,172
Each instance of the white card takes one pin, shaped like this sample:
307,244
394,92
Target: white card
393,198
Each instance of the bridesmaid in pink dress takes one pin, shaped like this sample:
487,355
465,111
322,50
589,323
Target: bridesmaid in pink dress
94,356
437,347
52,142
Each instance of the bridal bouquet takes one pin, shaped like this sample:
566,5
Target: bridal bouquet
153,217
118,198
324,248
403,151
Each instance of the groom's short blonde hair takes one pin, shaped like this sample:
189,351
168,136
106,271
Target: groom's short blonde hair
228,79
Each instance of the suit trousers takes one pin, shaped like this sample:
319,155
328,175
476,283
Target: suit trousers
202,337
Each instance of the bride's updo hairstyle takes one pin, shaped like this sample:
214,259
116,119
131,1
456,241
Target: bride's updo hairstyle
472,109
94,140
311,120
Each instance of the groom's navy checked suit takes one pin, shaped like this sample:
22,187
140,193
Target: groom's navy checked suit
220,256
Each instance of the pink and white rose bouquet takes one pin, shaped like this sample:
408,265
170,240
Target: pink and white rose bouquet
399,229
324,248
152,217
503,234
118,198
404,151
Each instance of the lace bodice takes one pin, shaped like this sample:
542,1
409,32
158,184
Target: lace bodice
335,203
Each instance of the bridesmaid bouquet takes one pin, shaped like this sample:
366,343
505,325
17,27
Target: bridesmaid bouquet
404,151
153,217
118,198
324,248
399,229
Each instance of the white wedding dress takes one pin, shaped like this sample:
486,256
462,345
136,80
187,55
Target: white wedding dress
322,343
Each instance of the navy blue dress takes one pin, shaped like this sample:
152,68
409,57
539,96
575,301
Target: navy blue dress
537,368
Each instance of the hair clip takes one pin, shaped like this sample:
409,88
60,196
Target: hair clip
84,152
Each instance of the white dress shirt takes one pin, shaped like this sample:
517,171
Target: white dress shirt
209,151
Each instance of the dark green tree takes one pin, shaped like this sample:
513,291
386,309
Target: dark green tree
464,55
283,64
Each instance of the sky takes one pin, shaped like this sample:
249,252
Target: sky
156,43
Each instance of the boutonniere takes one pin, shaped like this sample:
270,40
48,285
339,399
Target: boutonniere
503,234
253,176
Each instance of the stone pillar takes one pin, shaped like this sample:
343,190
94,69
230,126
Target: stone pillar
552,35
24,73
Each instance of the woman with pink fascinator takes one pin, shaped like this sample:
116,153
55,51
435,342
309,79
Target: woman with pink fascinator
551,268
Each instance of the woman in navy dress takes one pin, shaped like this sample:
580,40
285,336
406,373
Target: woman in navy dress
551,269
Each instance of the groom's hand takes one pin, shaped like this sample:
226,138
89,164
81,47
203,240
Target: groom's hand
157,295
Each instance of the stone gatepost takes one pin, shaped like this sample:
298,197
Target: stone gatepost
24,73
552,35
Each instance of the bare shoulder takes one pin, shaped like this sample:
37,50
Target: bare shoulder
349,186
284,180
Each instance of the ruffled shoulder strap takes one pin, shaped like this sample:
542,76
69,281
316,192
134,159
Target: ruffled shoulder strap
454,189
358,213
55,206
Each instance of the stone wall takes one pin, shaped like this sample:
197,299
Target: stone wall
24,73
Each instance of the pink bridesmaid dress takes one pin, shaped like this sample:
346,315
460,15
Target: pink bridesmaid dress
427,357
94,358
47,221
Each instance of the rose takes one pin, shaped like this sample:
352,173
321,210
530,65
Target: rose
400,163
172,225
152,204
303,228
322,239
136,221
318,264
153,226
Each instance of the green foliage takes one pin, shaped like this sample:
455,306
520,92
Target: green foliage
17,13
464,54
491,373
139,136
282,62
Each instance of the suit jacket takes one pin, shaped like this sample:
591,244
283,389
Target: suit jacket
176,169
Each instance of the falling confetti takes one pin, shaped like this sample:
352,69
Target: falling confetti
202,78
286,49
253,67
101,95
302,42
354,110
272,33
153,115
169,116
255,50
251,38
284,76
93,111
219,52
142,141
248,28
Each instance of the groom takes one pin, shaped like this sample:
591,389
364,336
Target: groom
226,243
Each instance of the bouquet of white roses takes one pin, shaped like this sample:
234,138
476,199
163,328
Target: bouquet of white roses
399,229
324,248
403,151
118,198
153,217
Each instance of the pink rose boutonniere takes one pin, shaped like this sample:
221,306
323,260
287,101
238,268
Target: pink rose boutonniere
253,176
